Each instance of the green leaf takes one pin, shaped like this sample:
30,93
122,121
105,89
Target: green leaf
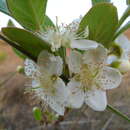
122,29
47,23
27,40
19,54
117,112
16,46
97,1
125,15
101,20
37,114
128,2
29,13
3,7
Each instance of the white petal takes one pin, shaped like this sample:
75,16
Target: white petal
96,99
124,66
35,83
109,78
95,58
83,44
54,104
74,61
76,95
57,99
50,64
123,42
37,88
61,90
111,58
31,69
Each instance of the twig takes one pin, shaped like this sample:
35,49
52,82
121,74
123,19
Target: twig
61,118
117,112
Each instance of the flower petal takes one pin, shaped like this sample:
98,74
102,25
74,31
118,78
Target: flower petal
109,78
96,99
61,90
49,63
123,42
31,69
83,44
76,95
36,87
55,99
95,58
111,58
74,61
55,105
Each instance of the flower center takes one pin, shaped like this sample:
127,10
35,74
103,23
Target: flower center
86,77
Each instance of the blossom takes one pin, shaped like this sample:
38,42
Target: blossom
124,66
92,78
124,59
67,37
46,82
124,43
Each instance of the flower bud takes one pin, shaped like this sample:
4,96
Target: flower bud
111,58
124,66
20,69
37,113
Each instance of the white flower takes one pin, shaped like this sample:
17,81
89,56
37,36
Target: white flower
46,81
111,58
124,66
124,43
92,78
124,59
65,37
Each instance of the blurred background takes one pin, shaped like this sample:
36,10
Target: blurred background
16,106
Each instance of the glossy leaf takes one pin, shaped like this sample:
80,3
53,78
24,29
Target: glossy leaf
125,15
3,7
98,1
47,23
122,29
27,40
29,13
19,54
18,47
101,20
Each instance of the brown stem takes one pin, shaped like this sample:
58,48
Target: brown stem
62,118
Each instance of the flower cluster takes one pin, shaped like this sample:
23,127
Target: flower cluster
77,72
